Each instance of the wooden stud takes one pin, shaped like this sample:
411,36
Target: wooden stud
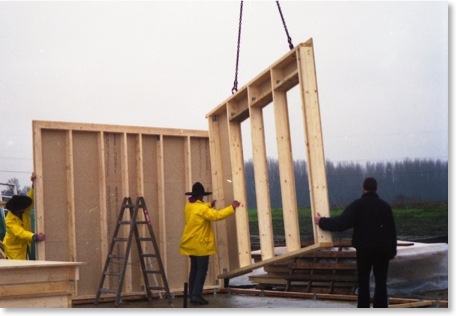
221,261
70,196
238,183
161,199
314,139
38,194
286,169
260,165
102,201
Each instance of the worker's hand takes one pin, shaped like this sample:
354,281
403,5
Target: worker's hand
317,219
32,178
235,204
39,237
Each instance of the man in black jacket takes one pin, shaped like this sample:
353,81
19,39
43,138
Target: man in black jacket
374,237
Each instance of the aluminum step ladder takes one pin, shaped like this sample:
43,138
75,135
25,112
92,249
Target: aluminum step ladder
119,252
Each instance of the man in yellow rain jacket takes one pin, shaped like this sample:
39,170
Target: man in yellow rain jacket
19,236
198,240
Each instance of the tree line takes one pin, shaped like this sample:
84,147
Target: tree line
399,183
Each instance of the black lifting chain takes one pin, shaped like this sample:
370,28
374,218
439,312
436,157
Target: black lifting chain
290,44
234,89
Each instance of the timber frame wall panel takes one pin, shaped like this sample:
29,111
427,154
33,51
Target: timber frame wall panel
83,173
296,68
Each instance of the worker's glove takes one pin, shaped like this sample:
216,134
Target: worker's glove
39,237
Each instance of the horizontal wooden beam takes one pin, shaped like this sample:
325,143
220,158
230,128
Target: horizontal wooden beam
288,255
56,125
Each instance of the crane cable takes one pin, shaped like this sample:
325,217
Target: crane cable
290,44
234,89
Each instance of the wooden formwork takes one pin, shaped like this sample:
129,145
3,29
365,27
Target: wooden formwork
83,173
297,67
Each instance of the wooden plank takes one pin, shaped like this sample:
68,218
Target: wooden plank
161,199
70,197
323,277
260,166
286,169
102,202
36,274
41,301
221,263
323,265
425,303
135,182
314,139
23,290
125,192
117,129
239,183
139,166
38,194
256,265
330,254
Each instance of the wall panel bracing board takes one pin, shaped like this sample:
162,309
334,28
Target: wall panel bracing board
83,173
296,68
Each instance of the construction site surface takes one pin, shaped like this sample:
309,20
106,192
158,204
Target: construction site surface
84,172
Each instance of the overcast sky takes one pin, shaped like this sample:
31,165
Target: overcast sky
382,70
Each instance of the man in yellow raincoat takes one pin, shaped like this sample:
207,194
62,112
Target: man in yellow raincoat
198,240
19,236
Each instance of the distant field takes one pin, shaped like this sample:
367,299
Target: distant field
423,221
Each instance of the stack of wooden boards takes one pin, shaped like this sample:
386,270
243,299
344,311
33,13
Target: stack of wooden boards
330,270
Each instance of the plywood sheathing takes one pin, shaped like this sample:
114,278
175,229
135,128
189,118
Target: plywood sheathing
83,173
296,68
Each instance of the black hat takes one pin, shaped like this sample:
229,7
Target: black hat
18,203
198,190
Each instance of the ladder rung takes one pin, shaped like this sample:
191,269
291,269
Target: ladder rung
124,222
108,291
113,273
116,257
145,239
142,222
156,288
120,239
149,255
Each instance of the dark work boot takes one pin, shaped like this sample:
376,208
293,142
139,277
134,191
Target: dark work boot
198,300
